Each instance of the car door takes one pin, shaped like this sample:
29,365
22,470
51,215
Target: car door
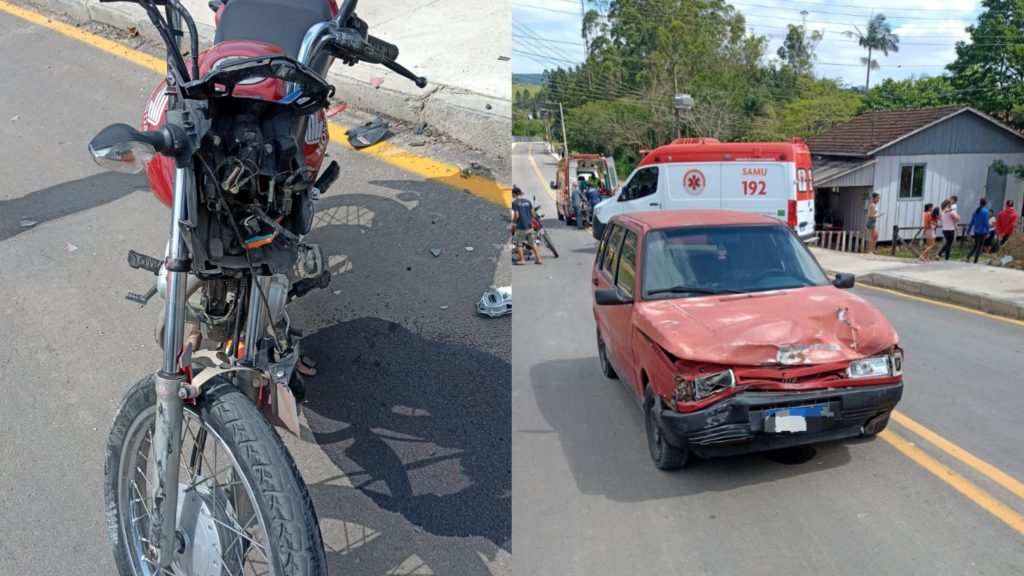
693,186
614,322
641,193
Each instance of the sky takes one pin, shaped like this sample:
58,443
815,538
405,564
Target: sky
546,33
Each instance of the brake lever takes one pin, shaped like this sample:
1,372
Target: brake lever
397,68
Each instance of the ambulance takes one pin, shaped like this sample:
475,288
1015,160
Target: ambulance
768,178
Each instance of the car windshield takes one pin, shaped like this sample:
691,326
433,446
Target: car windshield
697,261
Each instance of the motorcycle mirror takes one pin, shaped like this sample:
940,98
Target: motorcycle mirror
121,148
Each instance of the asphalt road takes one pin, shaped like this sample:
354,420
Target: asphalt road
407,455
588,501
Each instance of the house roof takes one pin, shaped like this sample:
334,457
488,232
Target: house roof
878,129
829,168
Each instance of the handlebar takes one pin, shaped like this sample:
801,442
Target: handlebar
390,51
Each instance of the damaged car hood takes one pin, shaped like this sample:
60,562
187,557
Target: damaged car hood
813,325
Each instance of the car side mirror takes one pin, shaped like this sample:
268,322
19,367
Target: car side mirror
611,297
843,280
553,187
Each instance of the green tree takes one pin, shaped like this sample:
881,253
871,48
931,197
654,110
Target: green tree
989,69
878,37
924,92
797,50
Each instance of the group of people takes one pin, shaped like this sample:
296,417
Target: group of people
583,197
987,231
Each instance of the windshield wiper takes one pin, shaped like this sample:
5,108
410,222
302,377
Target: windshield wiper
690,290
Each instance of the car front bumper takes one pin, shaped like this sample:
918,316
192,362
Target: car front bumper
737,424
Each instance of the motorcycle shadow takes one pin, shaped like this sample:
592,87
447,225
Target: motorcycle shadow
421,428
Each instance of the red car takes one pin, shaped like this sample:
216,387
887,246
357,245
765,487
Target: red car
733,338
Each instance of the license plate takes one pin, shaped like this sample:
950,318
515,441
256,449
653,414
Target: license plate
795,418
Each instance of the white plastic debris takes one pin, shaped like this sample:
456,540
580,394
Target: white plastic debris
70,247
469,248
26,223
1005,260
495,302
436,252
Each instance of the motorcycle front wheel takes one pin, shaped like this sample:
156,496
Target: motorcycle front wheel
243,508
547,242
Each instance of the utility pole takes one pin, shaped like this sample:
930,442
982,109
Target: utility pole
565,139
586,40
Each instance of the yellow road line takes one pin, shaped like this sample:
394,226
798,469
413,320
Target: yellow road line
990,471
543,183
946,304
427,168
121,51
969,489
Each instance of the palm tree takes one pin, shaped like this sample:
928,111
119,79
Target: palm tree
879,36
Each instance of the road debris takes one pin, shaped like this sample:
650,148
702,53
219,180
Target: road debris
15,117
69,247
376,81
469,248
445,307
368,134
418,143
495,302
337,110
436,252
26,223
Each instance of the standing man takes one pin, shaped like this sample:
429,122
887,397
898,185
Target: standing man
577,201
872,225
593,197
522,216
1006,221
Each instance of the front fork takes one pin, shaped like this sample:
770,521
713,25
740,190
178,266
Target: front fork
169,380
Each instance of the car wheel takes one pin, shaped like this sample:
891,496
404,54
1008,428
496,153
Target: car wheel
664,455
602,355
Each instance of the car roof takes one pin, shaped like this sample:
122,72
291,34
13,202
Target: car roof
659,219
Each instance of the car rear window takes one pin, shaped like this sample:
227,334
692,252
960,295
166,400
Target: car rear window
726,259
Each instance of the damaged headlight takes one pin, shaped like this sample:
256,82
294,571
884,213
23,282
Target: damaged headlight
877,366
700,388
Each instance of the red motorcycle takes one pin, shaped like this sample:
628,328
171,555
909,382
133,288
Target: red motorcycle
196,479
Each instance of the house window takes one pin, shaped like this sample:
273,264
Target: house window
912,181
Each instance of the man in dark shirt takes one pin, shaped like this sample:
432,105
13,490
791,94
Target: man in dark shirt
522,216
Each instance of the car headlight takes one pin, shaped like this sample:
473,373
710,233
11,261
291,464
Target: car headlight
700,388
877,366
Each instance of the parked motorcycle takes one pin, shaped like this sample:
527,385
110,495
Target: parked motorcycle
196,479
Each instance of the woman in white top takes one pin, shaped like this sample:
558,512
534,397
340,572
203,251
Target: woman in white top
949,220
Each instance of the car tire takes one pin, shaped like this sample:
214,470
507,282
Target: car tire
602,356
664,455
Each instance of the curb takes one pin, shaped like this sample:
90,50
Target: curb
475,120
964,298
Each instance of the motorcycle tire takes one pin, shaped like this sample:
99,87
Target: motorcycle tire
547,242
257,463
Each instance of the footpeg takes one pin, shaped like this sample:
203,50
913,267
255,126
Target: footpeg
326,179
141,299
303,287
143,262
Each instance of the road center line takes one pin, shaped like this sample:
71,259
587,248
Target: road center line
536,169
427,168
969,489
944,304
989,471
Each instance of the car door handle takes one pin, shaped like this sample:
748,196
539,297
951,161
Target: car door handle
655,204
